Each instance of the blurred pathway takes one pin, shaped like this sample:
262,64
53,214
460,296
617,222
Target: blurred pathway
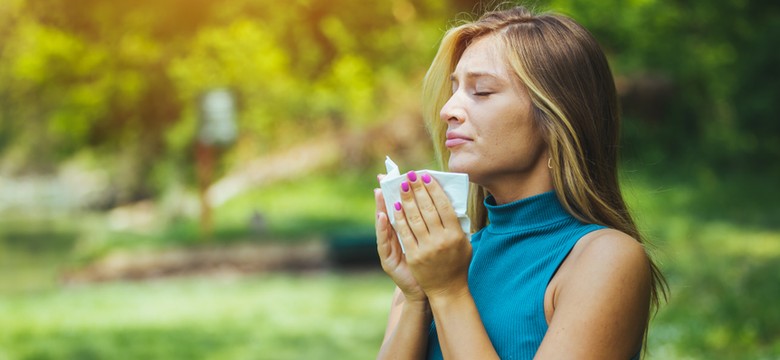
296,161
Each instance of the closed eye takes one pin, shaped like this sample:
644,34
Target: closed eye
483,93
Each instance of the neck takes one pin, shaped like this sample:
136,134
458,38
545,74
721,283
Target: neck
514,187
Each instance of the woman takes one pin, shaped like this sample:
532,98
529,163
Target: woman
524,104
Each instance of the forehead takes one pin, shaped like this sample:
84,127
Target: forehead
484,55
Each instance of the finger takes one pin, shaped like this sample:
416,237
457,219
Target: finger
384,232
442,203
414,218
381,208
386,242
424,202
403,230
379,198
382,246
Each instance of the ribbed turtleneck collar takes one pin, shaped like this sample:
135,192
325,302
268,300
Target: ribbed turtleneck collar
525,214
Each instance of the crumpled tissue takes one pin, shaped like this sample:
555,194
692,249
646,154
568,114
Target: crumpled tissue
455,185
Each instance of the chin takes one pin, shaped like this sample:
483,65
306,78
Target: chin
460,166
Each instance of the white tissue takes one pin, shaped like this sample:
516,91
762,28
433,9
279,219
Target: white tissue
455,185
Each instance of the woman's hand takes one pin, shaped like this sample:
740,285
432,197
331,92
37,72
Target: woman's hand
391,255
438,252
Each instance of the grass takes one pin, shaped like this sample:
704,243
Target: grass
277,316
315,204
716,238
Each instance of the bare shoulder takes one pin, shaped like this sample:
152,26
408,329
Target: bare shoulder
612,261
601,299
612,248
607,260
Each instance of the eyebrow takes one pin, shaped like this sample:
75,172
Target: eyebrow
476,74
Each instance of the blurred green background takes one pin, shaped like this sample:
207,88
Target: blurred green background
103,169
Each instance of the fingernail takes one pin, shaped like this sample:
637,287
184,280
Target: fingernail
398,206
378,179
426,178
412,176
405,186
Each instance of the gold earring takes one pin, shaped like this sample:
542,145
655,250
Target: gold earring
549,162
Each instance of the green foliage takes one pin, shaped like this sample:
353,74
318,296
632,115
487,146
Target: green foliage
717,241
123,79
703,70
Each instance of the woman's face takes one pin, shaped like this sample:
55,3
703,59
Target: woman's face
490,131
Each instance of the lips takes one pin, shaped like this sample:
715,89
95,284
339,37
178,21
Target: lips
454,139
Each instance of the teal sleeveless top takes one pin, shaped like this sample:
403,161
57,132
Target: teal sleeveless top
514,259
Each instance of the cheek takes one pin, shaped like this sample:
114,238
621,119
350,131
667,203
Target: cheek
518,140
505,137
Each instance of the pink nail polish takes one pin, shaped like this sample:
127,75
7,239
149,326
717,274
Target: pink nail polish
412,176
426,178
398,206
405,186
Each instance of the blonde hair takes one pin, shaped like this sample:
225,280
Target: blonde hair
574,104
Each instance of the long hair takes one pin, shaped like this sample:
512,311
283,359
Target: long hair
574,104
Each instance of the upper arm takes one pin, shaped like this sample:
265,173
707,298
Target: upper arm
601,306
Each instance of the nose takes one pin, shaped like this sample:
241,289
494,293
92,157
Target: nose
453,110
